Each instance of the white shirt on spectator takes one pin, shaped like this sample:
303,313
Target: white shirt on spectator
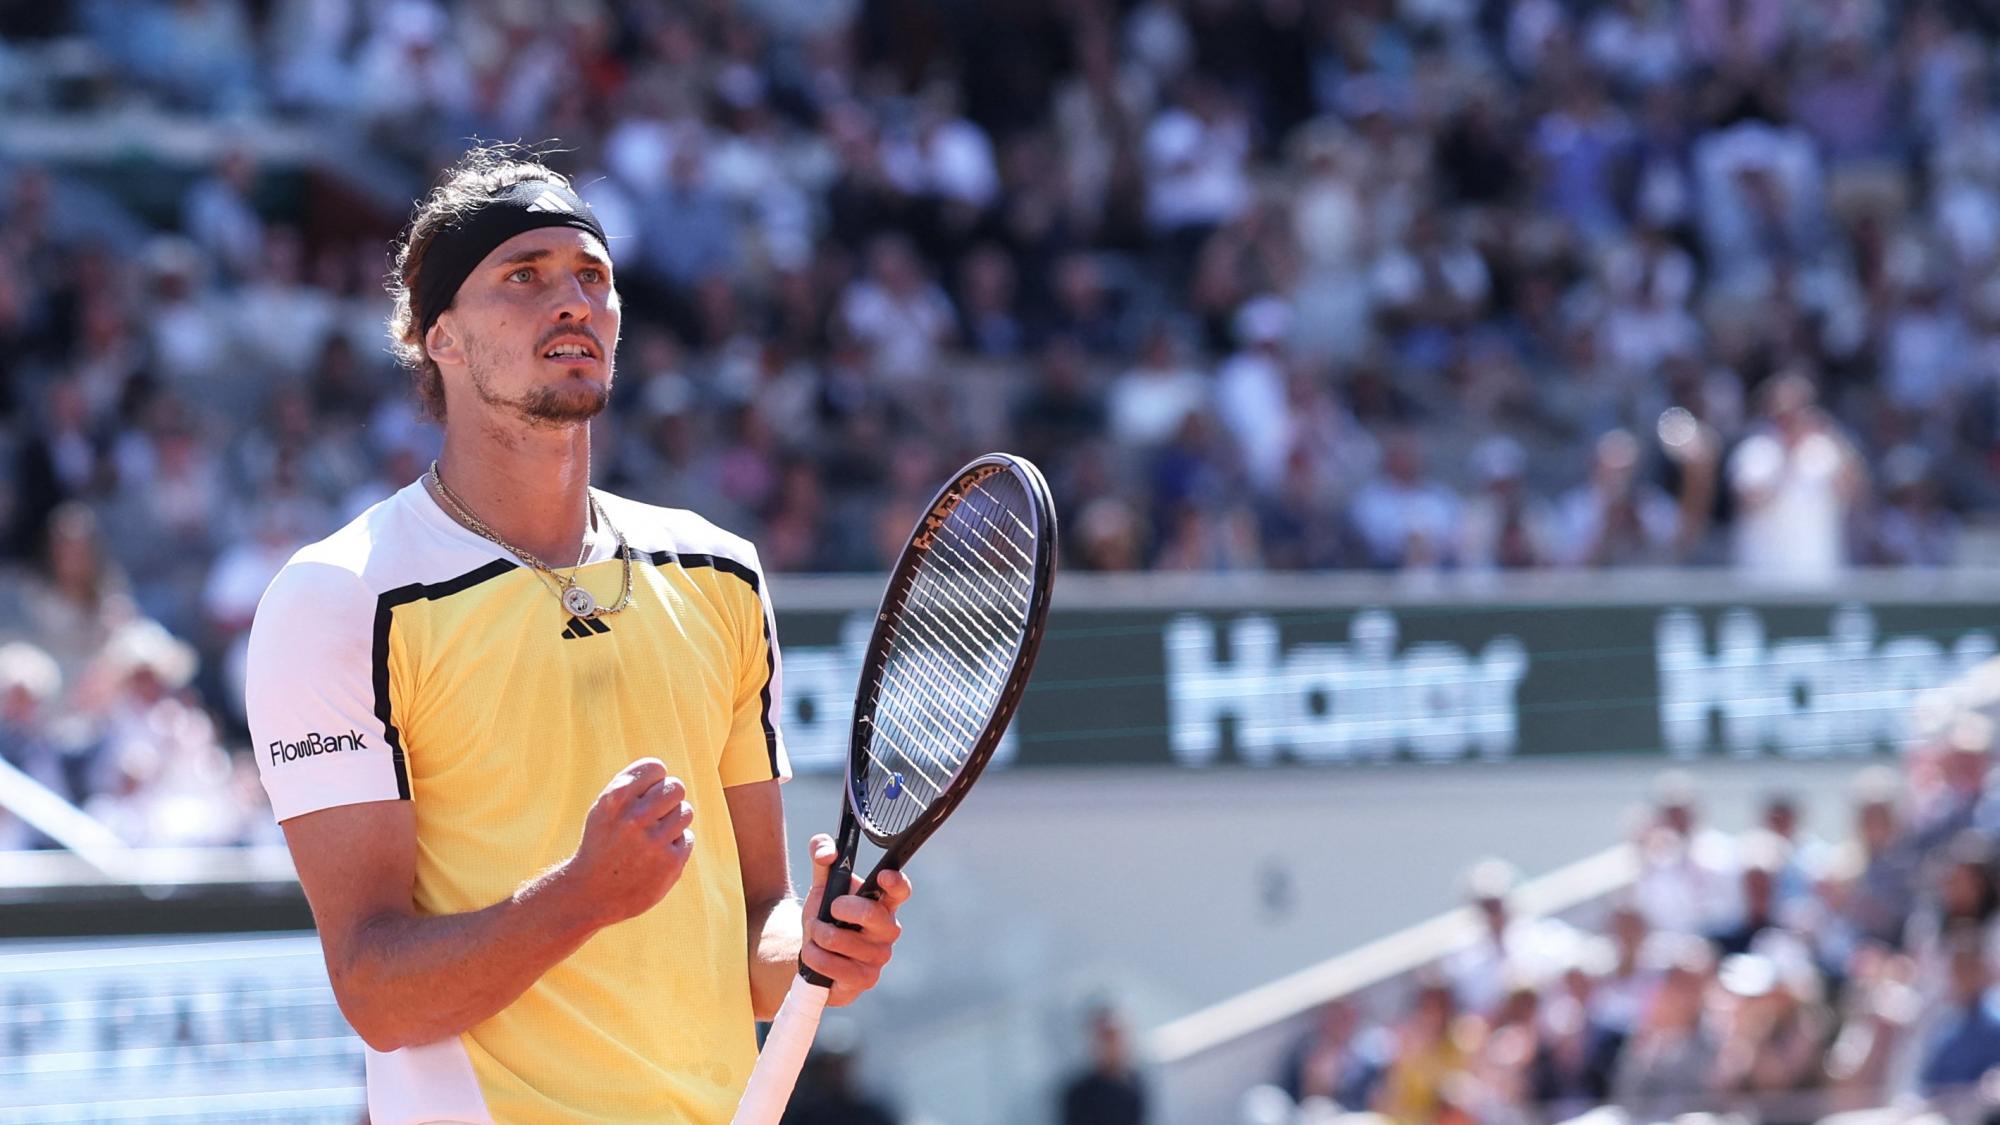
1389,514
1196,173
1250,397
1799,531
413,66
222,222
1731,223
1620,999
1645,50
1148,405
903,332
1687,886
953,159
1399,276
282,325
640,150
191,343
1636,335
1531,951
1330,222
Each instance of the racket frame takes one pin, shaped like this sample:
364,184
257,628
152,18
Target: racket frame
854,823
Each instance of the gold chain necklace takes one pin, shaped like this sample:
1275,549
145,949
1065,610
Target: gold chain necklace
576,600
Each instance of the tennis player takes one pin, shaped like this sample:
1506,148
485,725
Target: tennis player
520,732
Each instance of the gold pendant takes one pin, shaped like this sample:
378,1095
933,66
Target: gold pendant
579,602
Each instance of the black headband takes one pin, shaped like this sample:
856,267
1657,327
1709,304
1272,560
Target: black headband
464,241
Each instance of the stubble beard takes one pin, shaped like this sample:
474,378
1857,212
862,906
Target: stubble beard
568,403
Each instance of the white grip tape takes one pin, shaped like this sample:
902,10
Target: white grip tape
777,1069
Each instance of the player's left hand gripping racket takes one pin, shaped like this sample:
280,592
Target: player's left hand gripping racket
953,644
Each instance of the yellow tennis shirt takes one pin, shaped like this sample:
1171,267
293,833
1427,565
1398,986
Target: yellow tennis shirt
406,658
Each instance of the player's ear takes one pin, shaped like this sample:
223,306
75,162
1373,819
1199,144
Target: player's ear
441,342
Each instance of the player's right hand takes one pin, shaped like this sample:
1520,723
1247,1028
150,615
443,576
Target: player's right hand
636,841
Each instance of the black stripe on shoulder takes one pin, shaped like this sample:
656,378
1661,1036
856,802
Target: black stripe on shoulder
721,563
725,565
385,606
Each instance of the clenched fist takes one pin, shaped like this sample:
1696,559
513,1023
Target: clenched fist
636,841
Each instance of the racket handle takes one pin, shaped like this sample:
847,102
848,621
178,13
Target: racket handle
784,1055
841,875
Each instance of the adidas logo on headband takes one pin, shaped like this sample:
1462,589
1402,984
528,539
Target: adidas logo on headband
550,201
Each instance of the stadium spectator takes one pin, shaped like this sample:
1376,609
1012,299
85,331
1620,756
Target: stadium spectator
156,777
1250,388
989,322
1796,481
1763,859
1617,517
691,228
1882,897
1429,1057
898,314
1773,1038
1687,879
1878,1009
78,598
1912,527
829,1093
1505,526
1577,1053
1406,517
1509,950
1197,151
1338,1059
1668,1064
221,219
1108,1092
62,459
30,684
1968,1043
1953,766
1962,897
1620,995
1149,402
1805,855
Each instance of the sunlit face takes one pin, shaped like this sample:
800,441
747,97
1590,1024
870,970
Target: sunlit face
533,330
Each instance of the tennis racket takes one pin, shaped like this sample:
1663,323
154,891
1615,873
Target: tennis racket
953,644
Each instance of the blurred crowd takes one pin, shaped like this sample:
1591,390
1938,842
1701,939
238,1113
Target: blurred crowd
1771,974
1263,284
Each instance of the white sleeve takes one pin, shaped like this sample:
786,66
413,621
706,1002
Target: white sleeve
310,694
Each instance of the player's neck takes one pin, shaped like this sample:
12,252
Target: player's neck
530,486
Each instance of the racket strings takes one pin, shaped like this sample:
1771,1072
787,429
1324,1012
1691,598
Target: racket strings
947,541
970,587
909,735
950,646
944,592
965,552
1006,537
923,697
938,629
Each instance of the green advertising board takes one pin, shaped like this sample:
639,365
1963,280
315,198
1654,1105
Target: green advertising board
1238,685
